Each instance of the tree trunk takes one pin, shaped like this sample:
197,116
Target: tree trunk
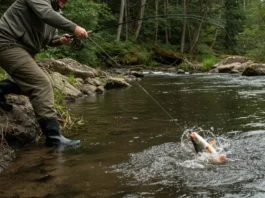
126,18
197,35
165,13
156,21
120,20
216,31
184,27
139,23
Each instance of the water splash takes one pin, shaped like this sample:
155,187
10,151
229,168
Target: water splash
168,163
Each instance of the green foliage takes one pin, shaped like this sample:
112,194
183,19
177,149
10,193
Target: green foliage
206,57
128,52
66,117
243,31
91,16
209,61
204,49
72,80
185,66
88,14
3,74
251,41
234,23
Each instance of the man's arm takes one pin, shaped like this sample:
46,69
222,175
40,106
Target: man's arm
44,11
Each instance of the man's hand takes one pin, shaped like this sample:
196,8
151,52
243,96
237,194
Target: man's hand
82,33
65,39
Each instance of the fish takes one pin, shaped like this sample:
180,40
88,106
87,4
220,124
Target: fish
201,145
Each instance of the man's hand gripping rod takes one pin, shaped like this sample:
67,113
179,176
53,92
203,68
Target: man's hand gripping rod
76,42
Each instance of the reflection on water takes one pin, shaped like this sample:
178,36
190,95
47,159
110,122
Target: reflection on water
131,148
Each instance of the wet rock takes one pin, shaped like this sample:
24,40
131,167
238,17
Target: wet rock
69,66
131,78
234,64
100,90
61,83
231,60
89,89
93,81
255,70
138,74
228,67
234,71
181,71
112,83
19,126
7,155
80,80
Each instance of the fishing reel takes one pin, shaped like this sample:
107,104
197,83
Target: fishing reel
77,44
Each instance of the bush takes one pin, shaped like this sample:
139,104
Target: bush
209,61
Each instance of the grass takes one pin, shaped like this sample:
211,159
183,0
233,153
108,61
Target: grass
209,61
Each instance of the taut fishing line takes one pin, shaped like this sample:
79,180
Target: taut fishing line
137,83
168,16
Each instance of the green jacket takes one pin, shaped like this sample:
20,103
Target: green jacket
32,24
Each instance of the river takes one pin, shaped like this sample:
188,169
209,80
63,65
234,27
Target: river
135,146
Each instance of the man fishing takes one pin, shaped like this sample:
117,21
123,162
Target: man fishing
25,28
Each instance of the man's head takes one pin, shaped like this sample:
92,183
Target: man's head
61,3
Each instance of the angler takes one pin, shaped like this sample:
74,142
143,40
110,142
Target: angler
25,28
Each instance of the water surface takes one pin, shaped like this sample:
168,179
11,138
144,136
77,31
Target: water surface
132,148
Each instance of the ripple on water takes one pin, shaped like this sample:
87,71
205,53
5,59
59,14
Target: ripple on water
169,165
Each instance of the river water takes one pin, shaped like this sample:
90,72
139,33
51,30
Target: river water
133,148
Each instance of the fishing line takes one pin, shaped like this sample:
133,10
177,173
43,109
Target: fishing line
177,124
167,16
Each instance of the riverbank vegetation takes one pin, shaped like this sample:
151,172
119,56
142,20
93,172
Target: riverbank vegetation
200,30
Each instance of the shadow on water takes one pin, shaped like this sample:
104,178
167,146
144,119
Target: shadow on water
130,148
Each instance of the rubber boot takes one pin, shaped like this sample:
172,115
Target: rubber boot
51,129
7,86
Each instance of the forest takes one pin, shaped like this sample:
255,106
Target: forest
133,32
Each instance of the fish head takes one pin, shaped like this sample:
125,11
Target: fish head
198,146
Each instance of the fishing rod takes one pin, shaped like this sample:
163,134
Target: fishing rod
165,16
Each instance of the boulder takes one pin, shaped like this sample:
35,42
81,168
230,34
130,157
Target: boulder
255,70
61,83
112,83
69,67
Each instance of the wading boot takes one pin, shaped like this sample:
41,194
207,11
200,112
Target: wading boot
7,86
51,129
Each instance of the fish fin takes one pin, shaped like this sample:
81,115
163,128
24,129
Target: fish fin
208,148
212,142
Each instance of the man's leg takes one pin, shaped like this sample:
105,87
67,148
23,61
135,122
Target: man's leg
35,84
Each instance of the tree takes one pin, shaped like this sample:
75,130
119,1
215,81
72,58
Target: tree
139,23
184,26
120,19
234,17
